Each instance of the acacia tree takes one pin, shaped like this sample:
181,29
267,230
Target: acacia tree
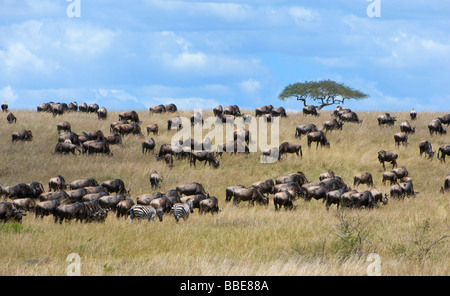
325,92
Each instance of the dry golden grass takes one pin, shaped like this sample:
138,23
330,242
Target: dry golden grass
239,240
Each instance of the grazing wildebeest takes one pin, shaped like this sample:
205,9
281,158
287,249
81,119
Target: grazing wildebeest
425,147
446,186
400,172
24,135
46,208
387,156
148,145
443,151
146,198
319,137
363,179
115,139
24,204
326,175
277,112
174,122
378,196
195,199
77,194
57,183
127,129
230,190
266,186
413,114
400,190
93,108
17,191
445,119
129,115
94,196
110,202
401,138
332,124
288,147
391,176
284,198
83,183
334,197
209,205
406,127
207,157
232,110
191,189
386,119
436,127
155,180
263,110
251,194
60,195
73,137
116,185
11,118
310,110
350,117
167,149
66,148
305,129
232,146
123,207
298,177
102,113
5,107
168,159
363,199
218,110
96,146
43,107
68,212
83,108
171,108
153,128
63,126
157,109
8,211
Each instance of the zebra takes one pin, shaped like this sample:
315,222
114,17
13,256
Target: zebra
145,211
182,210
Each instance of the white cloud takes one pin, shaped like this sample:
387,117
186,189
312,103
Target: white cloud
8,94
250,86
301,14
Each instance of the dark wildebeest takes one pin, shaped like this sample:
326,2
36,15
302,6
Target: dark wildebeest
230,190
11,118
332,124
129,115
157,109
43,107
115,139
401,138
284,198
251,194
298,177
83,183
77,194
197,118
288,147
304,129
232,146
123,207
425,147
25,204
446,186
386,119
363,199
391,176
153,128
266,186
207,157
406,127
63,126
195,199
94,196
57,183
378,196
218,110
191,189
127,129
174,122
209,205
310,110
117,123
277,112
46,208
171,108
93,108
24,135
387,156
66,148
96,146
443,151
350,117
60,195
168,149
445,119
319,137
334,197
102,113
263,110
363,179
326,175
146,198
436,127
413,114
117,186
73,137
232,110
400,190
8,211
400,172
68,212
155,180
148,145
17,191
168,159
5,107
83,108
110,202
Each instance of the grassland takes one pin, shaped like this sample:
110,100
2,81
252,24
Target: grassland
239,240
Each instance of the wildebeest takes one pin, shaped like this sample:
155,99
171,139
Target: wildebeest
276,112
350,117
96,146
446,186
232,110
24,204
266,186
406,127
66,148
334,197
209,205
400,190
168,159
363,179
401,138
197,118
326,175
443,151
102,113
288,147
363,199
167,149
123,207
298,177
127,129
319,137
207,157
232,146
83,183
63,126
378,196
284,198
310,110
57,183
413,114
157,109
191,189
332,124
25,135
18,191
116,185
93,108
263,110
46,208
110,202
155,180
153,128
425,147
73,137
400,172
83,108
60,195
387,156
5,107
386,119
230,190
304,129
11,118
391,176
251,194
195,199
115,139
445,119
129,115
171,108
148,145
174,122
218,110
436,127
8,211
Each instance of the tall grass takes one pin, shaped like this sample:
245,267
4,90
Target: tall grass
241,240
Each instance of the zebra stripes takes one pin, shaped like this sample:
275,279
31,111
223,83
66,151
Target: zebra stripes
182,210
144,212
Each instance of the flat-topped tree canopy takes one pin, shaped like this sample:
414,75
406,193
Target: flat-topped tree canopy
326,92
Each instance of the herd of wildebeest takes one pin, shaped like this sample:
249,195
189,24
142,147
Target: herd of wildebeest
90,200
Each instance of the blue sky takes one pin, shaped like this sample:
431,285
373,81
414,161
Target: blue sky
198,54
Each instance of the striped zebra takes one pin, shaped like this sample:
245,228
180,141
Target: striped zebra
182,210
144,212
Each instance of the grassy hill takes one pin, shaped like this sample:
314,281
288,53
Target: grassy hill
241,240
